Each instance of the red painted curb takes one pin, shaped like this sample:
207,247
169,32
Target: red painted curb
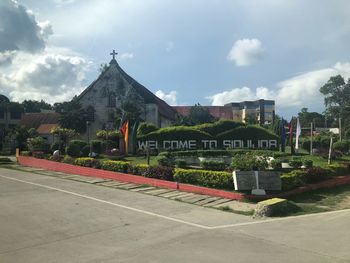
129,178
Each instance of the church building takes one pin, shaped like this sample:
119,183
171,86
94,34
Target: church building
105,99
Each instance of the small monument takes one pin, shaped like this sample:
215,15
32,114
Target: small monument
257,181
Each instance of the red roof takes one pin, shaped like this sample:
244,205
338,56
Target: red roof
219,112
34,120
46,128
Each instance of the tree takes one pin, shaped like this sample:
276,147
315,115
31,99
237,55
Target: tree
305,118
73,116
199,114
35,106
337,99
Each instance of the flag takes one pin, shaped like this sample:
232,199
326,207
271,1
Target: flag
297,134
125,132
291,136
283,136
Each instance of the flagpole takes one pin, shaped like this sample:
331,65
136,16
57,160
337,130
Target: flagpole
311,138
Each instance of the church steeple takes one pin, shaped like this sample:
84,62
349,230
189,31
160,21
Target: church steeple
113,54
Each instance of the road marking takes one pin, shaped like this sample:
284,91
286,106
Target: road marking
109,203
263,221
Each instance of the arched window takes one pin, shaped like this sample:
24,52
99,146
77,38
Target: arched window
112,100
90,113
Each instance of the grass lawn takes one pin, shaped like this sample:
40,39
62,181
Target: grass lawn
323,200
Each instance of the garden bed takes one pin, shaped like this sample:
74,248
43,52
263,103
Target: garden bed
88,171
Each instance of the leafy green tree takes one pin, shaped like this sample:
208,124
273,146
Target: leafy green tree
306,118
35,106
337,100
199,115
73,116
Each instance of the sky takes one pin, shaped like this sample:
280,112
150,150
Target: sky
210,52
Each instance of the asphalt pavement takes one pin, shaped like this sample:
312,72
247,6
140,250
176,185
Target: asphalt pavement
50,219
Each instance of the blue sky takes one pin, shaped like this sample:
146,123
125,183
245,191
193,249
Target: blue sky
186,51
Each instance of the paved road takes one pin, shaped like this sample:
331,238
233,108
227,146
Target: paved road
48,219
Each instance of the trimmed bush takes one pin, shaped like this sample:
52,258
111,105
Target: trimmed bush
220,180
339,169
213,165
164,161
138,169
248,133
295,162
180,163
26,153
293,179
342,146
308,163
108,135
248,162
68,159
116,166
57,146
146,128
73,150
160,172
88,162
5,160
276,164
218,127
98,146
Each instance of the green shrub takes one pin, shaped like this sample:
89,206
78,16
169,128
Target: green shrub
339,169
26,153
108,135
293,179
85,151
68,159
146,128
116,166
221,180
276,164
97,146
213,165
87,162
180,163
308,163
38,144
138,169
164,161
160,172
342,146
295,162
73,150
58,145
249,161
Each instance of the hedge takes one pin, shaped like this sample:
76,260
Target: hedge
221,180
146,128
180,133
218,127
213,165
247,133
87,162
115,166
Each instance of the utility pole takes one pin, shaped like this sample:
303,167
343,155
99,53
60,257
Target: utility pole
311,138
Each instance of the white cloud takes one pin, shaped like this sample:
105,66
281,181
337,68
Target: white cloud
6,57
19,30
240,94
126,55
170,98
246,52
293,93
48,76
303,90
